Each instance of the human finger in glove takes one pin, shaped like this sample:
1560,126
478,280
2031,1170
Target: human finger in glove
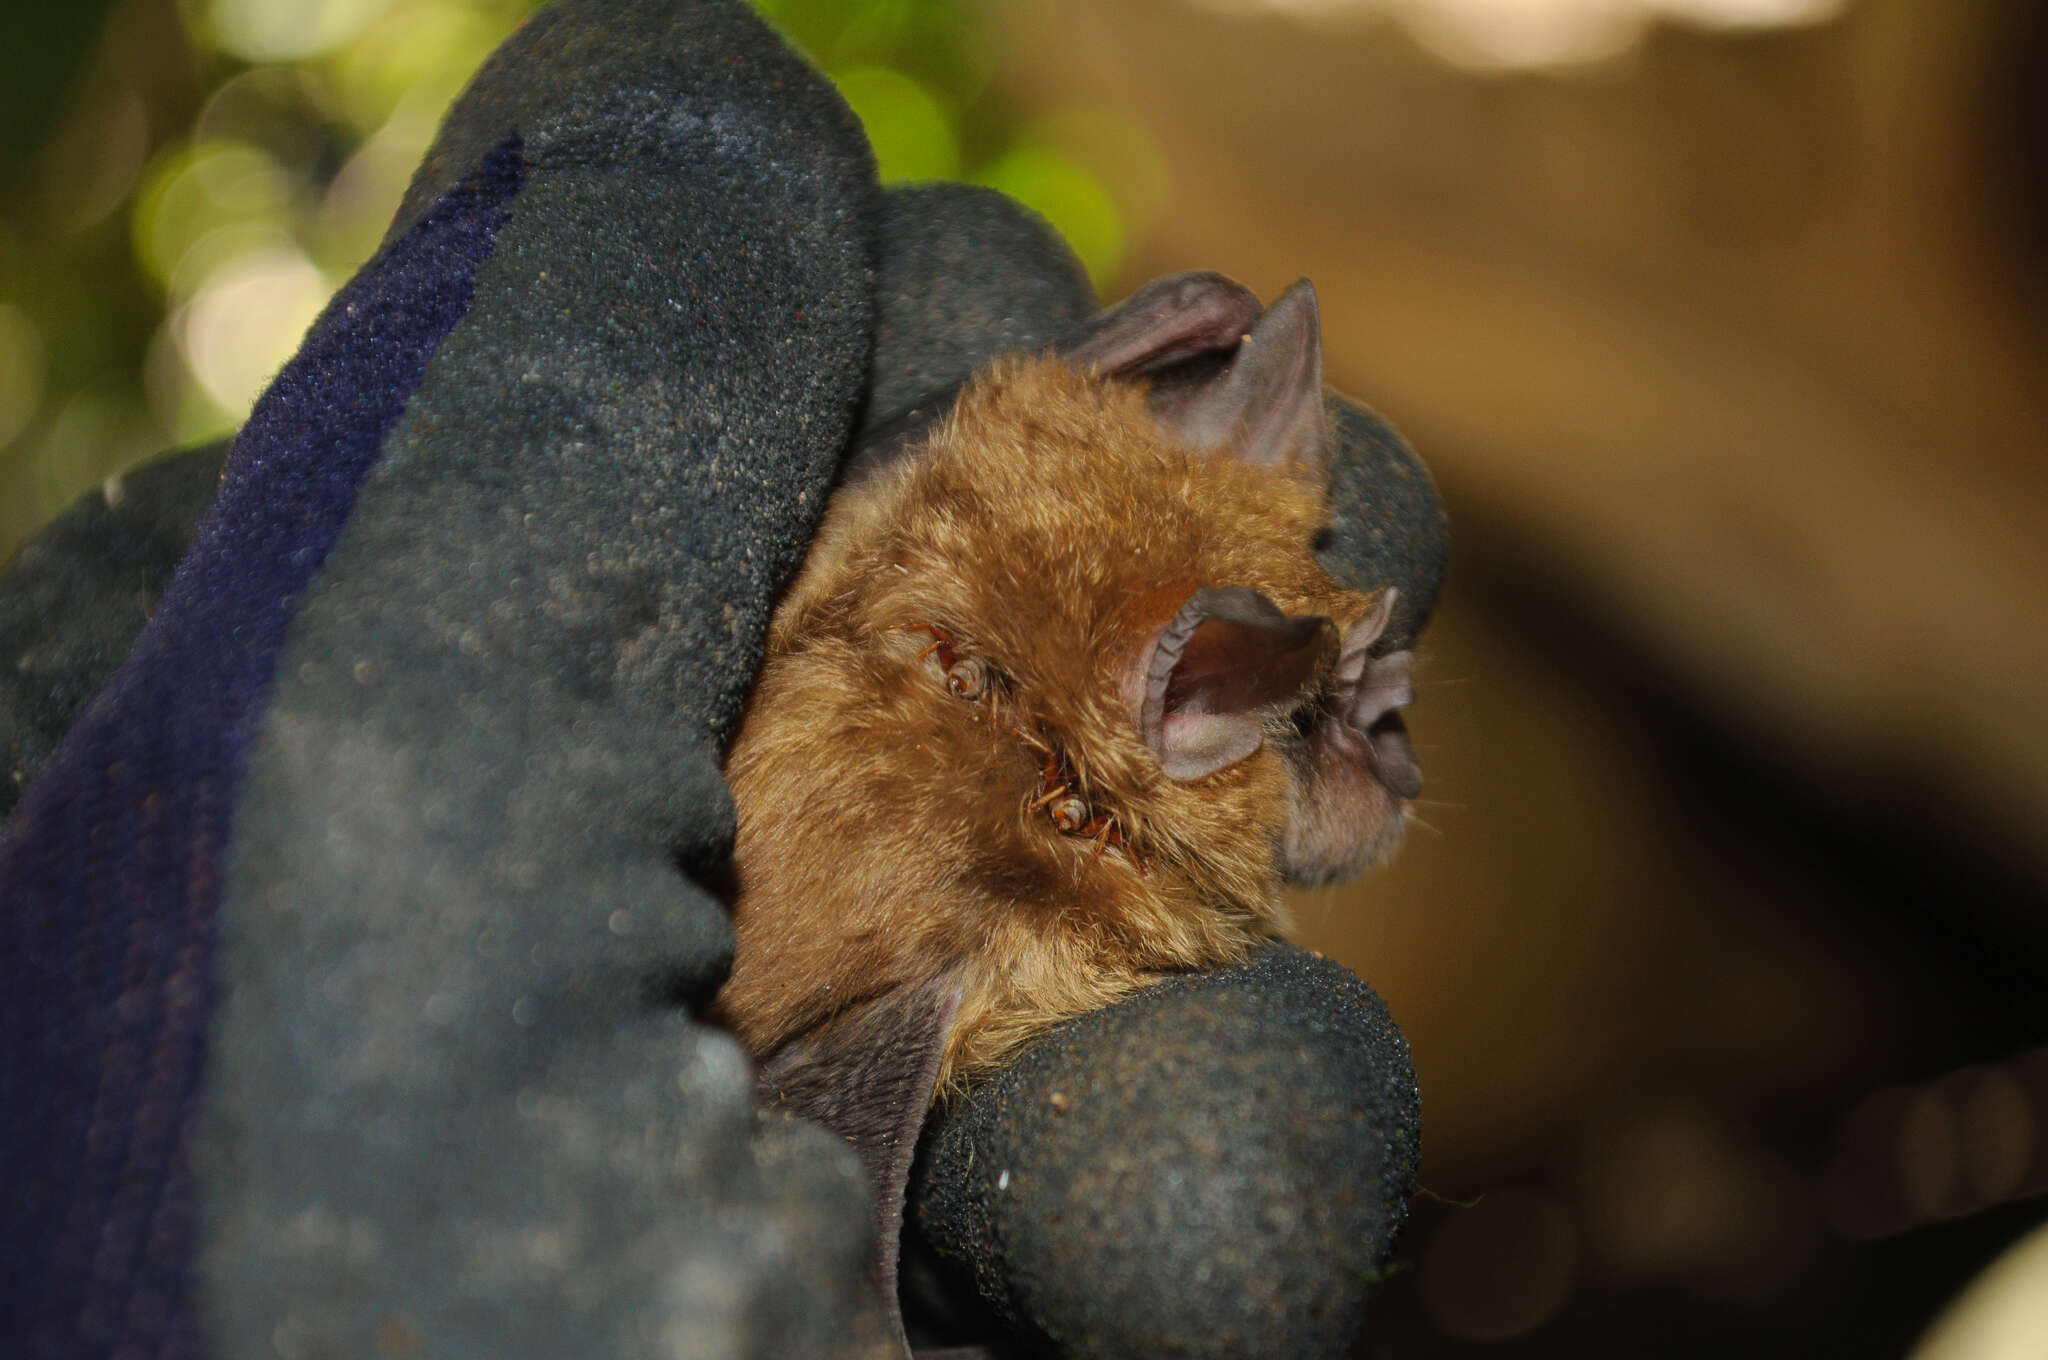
357,926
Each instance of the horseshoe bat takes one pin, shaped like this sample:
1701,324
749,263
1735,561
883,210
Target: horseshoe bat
1059,700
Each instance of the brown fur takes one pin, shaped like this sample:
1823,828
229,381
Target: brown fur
884,835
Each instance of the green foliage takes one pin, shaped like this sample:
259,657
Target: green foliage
186,220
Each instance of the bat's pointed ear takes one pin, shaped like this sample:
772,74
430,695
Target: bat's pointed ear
1225,663
869,1074
1169,321
1267,406
1193,319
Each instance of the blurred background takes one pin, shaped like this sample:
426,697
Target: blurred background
1722,935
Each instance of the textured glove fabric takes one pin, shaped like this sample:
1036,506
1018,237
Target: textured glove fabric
114,863
354,930
382,826
76,596
1214,1168
966,275
1387,526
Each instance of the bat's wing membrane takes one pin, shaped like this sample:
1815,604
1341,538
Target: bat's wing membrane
869,1075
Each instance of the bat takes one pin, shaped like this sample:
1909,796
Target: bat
1059,701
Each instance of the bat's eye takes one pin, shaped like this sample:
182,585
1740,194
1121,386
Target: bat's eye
1070,814
967,678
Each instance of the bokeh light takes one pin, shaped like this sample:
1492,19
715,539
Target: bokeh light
254,163
243,319
1517,35
2003,1316
1062,190
21,371
909,128
267,31
196,193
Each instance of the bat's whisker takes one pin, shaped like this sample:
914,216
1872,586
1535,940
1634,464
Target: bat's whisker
1048,797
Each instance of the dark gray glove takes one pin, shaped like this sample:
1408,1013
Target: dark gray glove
451,1089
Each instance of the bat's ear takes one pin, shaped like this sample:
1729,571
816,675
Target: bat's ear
868,1074
1169,321
1227,661
1266,407
1178,330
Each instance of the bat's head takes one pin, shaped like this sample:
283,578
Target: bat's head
1128,670
1232,660
1063,695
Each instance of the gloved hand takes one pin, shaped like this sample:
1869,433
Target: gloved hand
355,928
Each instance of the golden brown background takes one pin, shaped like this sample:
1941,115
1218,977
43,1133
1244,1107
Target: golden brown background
1722,935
